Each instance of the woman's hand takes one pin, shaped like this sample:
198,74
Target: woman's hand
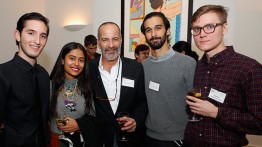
70,126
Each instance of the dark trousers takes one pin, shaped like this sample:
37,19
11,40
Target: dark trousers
151,142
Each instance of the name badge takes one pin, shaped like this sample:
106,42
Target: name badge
128,82
154,86
217,95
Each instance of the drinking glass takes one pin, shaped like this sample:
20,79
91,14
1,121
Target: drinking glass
123,136
195,92
62,119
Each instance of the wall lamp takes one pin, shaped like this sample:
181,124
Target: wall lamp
74,27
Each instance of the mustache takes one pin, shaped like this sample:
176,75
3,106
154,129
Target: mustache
111,48
153,38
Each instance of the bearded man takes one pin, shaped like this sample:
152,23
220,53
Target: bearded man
168,78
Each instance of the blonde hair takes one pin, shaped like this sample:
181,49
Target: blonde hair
221,11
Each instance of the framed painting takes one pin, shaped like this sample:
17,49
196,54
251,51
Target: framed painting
137,9
133,12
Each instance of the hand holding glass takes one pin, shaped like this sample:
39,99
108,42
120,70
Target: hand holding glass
123,136
62,120
196,92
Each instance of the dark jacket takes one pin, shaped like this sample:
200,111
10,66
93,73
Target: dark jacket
88,129
132,100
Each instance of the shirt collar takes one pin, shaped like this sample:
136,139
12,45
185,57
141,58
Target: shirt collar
114,66
163,57
22,63
219,57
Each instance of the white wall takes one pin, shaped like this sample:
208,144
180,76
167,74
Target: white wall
248,28
10,11
59,12
106,10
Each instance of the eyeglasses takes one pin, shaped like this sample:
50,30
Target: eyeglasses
209,28
99,80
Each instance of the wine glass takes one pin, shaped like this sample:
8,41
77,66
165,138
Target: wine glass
195,92
123,135
61,119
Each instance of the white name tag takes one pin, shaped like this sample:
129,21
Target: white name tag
154,86
217,95
128,83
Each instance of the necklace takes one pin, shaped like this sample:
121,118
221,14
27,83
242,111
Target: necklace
70,94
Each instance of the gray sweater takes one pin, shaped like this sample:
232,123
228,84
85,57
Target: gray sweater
174,72
80,109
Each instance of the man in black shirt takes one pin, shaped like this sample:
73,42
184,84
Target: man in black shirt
91,47
24,88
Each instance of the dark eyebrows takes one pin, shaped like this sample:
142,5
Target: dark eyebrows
31,30
72,56
44,34
159,25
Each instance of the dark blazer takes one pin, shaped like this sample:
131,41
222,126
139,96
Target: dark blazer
88,130
96,56
132,100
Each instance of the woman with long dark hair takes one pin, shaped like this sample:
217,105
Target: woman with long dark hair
71,99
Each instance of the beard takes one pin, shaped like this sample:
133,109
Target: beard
158,44
111,57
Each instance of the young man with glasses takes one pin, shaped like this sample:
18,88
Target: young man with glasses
231,86
118,86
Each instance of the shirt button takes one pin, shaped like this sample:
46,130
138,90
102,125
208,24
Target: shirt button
215,63
208,72
205,87
200,135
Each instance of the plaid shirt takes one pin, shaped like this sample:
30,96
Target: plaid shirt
240,77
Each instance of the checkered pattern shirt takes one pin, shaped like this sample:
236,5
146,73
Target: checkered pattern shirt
240,78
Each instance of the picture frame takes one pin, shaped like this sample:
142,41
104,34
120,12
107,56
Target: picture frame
134,11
